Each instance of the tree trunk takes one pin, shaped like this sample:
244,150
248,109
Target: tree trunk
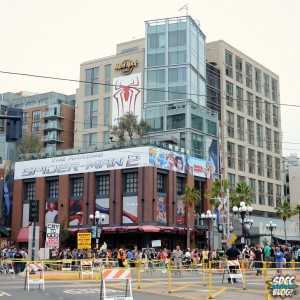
284,221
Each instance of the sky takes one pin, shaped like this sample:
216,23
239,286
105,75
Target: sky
52,37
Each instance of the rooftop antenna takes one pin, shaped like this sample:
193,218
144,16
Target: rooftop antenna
186,8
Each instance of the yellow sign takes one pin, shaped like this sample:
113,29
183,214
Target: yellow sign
84,240
126,66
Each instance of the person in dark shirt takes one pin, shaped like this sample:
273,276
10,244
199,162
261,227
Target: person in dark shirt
232,253
258,259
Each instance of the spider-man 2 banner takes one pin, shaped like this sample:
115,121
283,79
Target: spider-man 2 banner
126,96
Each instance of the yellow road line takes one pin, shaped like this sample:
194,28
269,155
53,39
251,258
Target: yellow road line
221,291
182,287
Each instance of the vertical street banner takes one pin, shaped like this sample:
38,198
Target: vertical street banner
84,240
161,210
52,235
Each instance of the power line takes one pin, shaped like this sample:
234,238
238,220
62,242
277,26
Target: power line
141,88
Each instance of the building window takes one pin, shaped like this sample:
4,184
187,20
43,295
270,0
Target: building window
249,76
91,114
29,192
180,184
229,94
251,161
106,109
278,194
89,139
155,119
230,124
276,142
228,63
239,69
107,79
268,113
261,193
102,186
211,127
275,116
197,145
240,98
92,84
252,185
161,183
274,90
269,166
268,139
130,182
259,108
250,103
241,128
176,121
277,169
266,85
259,136
36,121
197,122
241,158
270,194
76,187
25,117
230,155
260,164
52,189
231,181
258,80
250,128
177,83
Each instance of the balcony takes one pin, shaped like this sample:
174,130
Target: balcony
52,114
52,126
52,139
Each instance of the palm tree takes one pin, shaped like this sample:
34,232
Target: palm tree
218,187
284,211
190,198
297,212
242,193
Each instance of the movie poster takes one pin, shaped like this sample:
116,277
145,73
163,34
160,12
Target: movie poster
130,210
75,213
180,211
161,210
126,97
102,205
213,156
51,215
168,160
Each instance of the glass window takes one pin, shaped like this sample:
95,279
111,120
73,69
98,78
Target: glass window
240,99
277,168
52,189
261,192
90,114
77,187
156,59
107,78
156,40
92,84
106,109
177,57
241,128
231,181
258,80
251,161
274,90
29,194
241,158
177,83
268,113
156,78
278,194
266,85
229,63
25,117
275,116
102,185
250,103
229,94
177,38
130,182
176,121
197,122
161,183
269,166
252,185
270,194
276,142
231,155
259,108
230,124
211,127
36,121
250,128
154,118
249,75
239,69
260,164
268,139
89,139
197,145
180,184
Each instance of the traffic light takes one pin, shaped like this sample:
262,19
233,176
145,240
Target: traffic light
34,211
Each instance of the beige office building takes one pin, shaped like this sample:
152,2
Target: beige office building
97,103
250,124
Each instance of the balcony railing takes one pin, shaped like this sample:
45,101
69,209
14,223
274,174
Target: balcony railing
52,114
54,126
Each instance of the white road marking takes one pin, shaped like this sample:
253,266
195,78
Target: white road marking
2,294
87,291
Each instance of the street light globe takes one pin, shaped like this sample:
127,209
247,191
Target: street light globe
242,203
250,209
243,208
208,212
91,217
214,216
202,216
97,214
235,209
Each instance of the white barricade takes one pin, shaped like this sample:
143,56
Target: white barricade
116,274
35,275
86,268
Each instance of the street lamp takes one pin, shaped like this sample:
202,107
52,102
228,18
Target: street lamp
271,226
208,217
97,220
245,213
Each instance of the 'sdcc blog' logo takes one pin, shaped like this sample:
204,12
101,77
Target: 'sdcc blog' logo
283,286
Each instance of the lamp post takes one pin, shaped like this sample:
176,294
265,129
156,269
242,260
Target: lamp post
245,212
271,226
208,217
97,220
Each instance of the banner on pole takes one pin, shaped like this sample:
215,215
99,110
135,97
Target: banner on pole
84,240
52,235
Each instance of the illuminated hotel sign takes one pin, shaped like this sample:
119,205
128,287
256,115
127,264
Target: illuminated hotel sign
126,66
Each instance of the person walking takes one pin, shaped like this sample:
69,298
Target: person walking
258,259
232,254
